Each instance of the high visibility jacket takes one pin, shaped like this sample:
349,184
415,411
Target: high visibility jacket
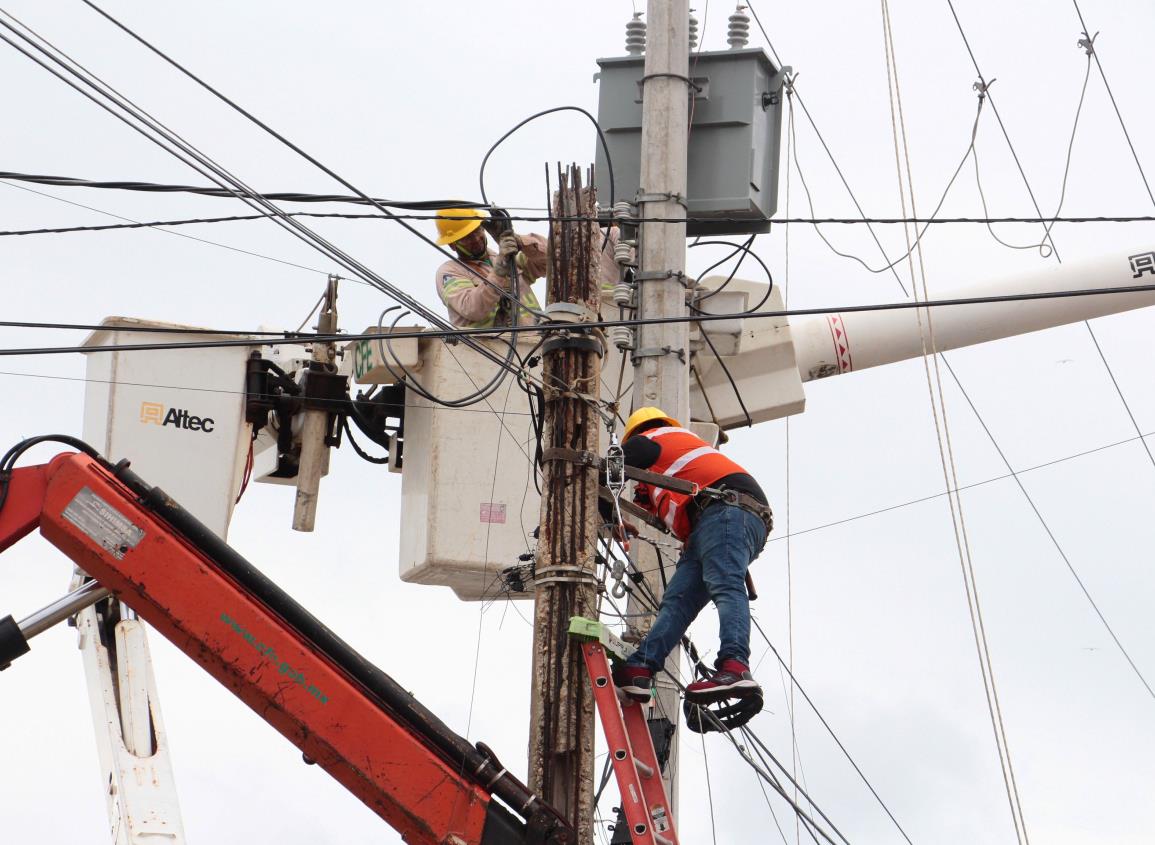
474,304
684,456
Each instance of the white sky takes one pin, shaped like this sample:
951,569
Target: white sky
403,100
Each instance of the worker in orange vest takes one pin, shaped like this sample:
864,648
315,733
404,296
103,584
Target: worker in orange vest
723,528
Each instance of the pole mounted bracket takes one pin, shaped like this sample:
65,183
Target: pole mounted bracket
659,275
667,196
658,352
773,96
573,456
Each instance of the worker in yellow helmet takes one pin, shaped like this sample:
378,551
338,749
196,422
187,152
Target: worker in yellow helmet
723,528
476,285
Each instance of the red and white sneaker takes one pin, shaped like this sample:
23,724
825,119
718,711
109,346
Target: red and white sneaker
636,682
731,679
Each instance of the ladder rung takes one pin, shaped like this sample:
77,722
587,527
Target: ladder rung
661,840
643,770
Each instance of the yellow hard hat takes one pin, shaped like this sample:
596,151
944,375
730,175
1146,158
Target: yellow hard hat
460,222
645,415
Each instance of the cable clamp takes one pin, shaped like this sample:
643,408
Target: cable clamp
698,88
658,352
1087,42
643,198
782,79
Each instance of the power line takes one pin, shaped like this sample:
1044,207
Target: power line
99,92
1051,534
293,196
516,303
958,489
132,224
830,730
64,181
464,333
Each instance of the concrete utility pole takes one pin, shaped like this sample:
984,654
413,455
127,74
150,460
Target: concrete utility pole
561,739
662,354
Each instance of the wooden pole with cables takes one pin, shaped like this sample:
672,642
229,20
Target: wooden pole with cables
562,722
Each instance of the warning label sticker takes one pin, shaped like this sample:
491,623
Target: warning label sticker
102,523
493,512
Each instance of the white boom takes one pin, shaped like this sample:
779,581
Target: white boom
841,343
770,358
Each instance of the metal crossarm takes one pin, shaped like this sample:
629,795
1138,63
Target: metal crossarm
643,795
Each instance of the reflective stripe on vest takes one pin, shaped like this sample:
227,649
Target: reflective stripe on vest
684,456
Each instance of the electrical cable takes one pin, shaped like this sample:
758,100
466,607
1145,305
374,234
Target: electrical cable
745,249
153,187
285,141
942,431
357,448
535,116
998,117
202,164
137,225
464,333
846,753
709,789
791,93
411,380
1051,534
765,774
814,221
959,489
1111,94
173,144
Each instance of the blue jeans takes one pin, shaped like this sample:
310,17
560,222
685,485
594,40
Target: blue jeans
712,567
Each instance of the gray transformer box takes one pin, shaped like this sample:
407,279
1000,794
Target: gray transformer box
735,137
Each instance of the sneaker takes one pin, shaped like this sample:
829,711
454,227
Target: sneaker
730,680
635,682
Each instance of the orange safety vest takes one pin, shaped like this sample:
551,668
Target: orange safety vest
684,456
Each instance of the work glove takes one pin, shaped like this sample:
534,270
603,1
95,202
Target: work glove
506,246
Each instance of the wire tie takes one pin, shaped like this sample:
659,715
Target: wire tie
1087,42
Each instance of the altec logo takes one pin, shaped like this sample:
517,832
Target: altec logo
155,413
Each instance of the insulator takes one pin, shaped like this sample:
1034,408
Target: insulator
624,253
636,35
623,211
693,30
738,34
622,337
623,293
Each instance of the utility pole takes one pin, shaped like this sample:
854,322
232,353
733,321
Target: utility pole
662,352
561,739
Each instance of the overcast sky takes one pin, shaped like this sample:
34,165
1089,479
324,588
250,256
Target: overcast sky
403,100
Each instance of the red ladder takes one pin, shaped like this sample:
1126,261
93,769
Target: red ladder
644,801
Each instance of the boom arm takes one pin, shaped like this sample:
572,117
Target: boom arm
341,711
